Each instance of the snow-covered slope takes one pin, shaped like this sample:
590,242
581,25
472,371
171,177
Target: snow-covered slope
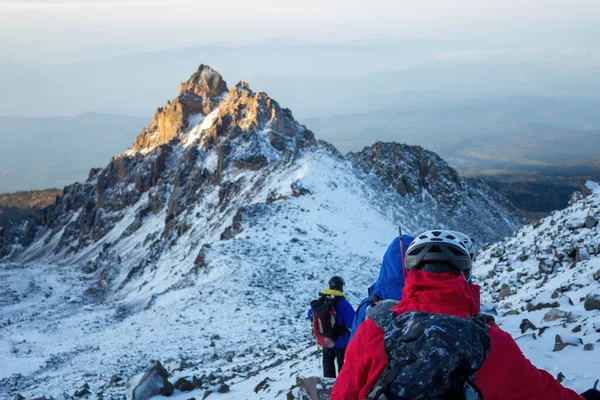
549,274
200,246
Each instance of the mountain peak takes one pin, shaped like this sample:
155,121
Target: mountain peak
204,83
205,110
198,96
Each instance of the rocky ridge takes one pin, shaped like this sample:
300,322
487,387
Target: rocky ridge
423,177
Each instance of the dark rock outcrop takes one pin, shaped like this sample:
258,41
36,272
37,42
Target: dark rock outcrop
592,300
154,382
421,175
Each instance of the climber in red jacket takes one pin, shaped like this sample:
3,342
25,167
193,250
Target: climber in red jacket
437,282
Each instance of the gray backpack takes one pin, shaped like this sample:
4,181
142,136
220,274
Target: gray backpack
431,356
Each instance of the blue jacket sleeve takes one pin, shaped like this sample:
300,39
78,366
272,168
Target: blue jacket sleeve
309,314
346,313
359,317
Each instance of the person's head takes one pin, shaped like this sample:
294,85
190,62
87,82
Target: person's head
440,251
336,283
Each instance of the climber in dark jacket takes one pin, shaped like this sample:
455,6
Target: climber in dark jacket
343,319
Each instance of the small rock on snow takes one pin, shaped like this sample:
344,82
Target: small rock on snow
592,301
590,222
525,325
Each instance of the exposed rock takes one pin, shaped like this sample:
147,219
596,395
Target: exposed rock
525,325
497,252
556,314
82,393
597,275
422,176
18,397
223,388
312,388
538,306
592,300
505,291
588,346
153,382
560,377
560,344
184,385
262,385
590,222
197,96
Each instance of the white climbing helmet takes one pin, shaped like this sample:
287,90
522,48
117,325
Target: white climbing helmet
439,250
468,242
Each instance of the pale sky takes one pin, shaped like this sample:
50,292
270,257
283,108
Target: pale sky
167,23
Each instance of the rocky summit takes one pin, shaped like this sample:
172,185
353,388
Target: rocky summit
202,245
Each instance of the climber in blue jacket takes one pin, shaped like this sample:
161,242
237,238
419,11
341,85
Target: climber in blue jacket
390,283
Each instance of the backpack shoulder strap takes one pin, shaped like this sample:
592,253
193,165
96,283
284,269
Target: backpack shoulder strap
385,321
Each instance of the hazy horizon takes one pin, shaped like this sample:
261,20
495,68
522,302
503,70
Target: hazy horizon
354,72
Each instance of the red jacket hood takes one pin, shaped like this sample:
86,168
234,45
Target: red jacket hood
439,293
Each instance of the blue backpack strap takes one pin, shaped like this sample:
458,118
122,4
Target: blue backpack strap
359,317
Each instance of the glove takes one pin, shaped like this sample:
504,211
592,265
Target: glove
591,394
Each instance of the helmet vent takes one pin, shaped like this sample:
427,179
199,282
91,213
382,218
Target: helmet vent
450,237
456,251
423,237
436,233
435,249
415,252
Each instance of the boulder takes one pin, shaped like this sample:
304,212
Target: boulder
184,385
538,306
525,325
556,314
82,393
311,388
592,300
223,388
153,382
504,292
590,222
262,385
560,343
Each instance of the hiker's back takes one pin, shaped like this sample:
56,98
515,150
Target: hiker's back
430,356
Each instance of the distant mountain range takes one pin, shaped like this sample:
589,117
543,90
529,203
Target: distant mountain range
38,153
